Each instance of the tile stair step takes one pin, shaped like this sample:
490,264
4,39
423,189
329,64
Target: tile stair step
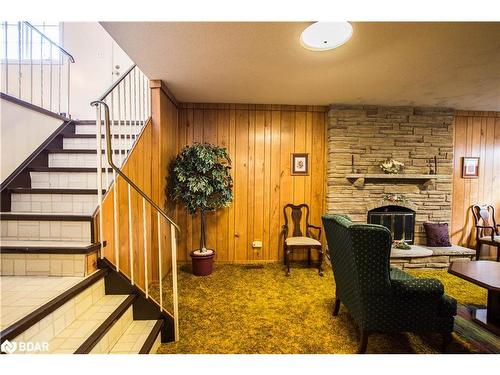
133,130
54,191
69,159
47,317
47,247
45,228
96,329
83,204
141,337
68,178
88,142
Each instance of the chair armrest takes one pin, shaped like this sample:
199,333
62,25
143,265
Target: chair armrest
417,287
486,226
314,227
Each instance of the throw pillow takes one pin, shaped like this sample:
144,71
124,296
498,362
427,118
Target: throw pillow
437,234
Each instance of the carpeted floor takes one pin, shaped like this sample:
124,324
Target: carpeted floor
257,309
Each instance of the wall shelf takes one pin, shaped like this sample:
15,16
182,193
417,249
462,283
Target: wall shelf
358,179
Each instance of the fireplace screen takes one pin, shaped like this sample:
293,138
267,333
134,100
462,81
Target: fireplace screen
399,220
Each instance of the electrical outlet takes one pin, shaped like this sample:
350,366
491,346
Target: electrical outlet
257,244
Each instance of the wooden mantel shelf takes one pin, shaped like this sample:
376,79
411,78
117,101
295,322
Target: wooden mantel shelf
360,178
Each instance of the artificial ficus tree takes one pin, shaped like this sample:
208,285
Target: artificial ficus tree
200,179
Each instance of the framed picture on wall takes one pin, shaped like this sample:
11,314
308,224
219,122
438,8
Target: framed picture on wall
470,167
300,165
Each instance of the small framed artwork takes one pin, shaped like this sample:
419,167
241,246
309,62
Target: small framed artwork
300,165
470,167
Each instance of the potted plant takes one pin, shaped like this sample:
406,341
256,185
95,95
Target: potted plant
199,179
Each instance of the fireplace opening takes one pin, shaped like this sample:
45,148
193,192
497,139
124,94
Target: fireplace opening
399,220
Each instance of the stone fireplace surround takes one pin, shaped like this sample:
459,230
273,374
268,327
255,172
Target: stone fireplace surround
372,134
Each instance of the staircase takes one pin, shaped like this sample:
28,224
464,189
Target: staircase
55,290
63,289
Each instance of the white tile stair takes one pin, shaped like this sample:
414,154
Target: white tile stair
45,227
115,129
68,180
83,204
75,316
90,143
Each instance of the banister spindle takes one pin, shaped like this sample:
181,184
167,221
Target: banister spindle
130,236
145,245
160,274
174,281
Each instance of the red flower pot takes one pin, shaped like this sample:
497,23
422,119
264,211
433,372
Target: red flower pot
202,263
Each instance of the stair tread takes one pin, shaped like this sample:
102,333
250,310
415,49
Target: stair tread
21,295
54,247
43,216
67,169
116,136
81,151
54,191
84,325
134,337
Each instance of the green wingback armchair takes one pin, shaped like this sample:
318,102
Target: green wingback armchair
381,298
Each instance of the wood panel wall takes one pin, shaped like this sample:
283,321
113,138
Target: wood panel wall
260,140
477,134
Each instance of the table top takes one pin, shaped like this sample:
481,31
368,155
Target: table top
481,272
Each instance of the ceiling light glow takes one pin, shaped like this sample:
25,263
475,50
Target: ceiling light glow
324,36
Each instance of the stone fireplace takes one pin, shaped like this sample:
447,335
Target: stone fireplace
399,220
361,137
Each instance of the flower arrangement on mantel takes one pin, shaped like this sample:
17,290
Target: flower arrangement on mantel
395,198
391,166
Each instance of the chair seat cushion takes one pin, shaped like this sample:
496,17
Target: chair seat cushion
302,241
488,238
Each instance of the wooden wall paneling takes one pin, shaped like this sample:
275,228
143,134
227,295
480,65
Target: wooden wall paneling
260,140
287,140
476,134
251,188
241,185
275,207
266,208
222,216
210,136
259,181
232,211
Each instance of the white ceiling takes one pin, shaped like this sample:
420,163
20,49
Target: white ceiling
437,64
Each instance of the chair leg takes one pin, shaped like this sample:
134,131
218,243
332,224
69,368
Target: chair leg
478,249
320,266
309,256
498,253
336,307
287,261
363,342
446,341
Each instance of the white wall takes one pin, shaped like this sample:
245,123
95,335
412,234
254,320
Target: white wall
22,130
96,54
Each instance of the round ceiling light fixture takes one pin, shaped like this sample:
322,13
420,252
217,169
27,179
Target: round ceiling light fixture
323,36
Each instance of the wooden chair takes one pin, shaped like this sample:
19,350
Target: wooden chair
486,228
297,239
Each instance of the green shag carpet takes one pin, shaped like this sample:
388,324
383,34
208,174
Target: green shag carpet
257,309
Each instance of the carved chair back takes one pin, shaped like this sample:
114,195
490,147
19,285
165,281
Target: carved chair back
294,214
484,220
